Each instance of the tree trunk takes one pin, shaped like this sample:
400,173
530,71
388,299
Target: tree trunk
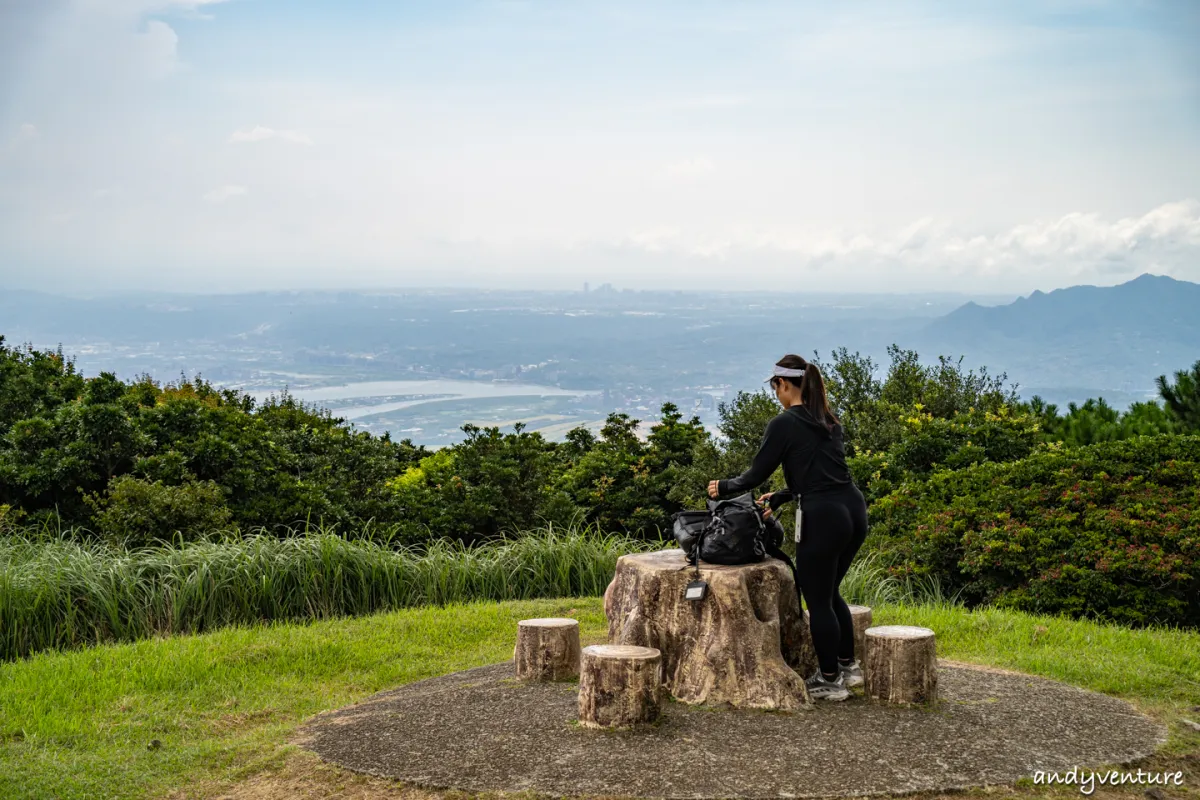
619,686
901,665
547,649
741,644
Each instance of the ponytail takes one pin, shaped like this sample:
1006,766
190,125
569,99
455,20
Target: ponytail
812,389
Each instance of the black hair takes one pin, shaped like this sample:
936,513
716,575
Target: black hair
812,389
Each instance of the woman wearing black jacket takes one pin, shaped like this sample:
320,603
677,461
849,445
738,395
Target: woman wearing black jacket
831,517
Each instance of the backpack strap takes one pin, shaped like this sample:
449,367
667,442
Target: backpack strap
693,558
775,552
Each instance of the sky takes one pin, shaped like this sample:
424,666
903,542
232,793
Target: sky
229,145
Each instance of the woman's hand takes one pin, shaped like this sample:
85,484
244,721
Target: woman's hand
764,501
712,489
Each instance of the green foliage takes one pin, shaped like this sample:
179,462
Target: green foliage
64,439
743,420
1109,530
10,519
492,483
34,383
58,594
623,483
1096,421
872,410
1183,396
926,444
489,484
136,512
937,449
916,420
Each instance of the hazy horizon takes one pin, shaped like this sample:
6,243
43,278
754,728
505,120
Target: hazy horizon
251,145
588,287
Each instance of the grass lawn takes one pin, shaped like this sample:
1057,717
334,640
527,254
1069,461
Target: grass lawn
222,706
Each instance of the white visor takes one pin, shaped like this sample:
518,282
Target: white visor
785,372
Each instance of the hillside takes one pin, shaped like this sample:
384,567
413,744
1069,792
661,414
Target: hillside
1121,336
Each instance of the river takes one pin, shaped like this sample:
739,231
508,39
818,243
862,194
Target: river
341,399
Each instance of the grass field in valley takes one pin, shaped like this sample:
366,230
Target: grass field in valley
223,705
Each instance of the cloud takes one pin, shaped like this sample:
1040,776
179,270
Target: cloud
717,101
139,8
9,144
158,45
691,167
1074,247
223,193
900,148
261,134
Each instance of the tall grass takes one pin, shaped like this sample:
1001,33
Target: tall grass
61,594
868,583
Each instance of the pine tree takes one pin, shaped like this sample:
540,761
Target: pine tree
1183,398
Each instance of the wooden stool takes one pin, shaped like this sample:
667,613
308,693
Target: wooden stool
901,665
619,686
862,620
547,649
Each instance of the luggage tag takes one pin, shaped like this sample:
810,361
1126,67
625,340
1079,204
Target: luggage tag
799,519
696,590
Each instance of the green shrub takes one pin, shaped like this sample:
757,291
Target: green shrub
64,438
1096,421
926,443
872,410
1109,530
137,512
621,483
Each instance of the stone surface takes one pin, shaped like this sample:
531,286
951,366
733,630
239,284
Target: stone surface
482,730
742,645
547,649
901,665
620,686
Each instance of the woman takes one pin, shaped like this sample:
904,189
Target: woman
806,438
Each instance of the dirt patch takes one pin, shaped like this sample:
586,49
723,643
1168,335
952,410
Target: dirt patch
481,731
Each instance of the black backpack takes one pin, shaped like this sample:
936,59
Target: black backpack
731,531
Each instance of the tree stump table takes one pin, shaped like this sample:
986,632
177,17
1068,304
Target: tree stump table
901,665
547,649
620,686
741,645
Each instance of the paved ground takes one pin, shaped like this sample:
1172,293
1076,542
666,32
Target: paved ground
481,730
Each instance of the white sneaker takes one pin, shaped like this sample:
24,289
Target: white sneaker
819,688
852,674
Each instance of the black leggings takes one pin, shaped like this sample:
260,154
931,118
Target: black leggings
833,527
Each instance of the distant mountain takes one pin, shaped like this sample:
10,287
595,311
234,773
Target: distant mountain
1110,337
1146,305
